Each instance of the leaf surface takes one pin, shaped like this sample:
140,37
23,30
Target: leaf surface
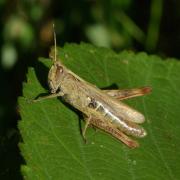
53,147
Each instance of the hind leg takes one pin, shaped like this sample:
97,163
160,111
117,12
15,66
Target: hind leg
113,131
128,93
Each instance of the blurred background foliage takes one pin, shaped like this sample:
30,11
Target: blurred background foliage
26,33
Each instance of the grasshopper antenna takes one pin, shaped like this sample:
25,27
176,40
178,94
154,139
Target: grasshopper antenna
54,34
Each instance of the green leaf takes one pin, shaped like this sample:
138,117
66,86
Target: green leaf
53,147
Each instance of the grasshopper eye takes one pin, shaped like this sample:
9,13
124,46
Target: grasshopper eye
59,68
59,71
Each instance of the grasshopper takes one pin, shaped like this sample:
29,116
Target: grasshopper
101,108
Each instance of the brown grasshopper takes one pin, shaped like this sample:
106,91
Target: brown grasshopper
101,108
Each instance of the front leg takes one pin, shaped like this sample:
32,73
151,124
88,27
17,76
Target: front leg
48,96
128,93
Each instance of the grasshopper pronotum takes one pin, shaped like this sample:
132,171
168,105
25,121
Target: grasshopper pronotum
101,108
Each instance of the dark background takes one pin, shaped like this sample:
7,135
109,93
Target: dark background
27,33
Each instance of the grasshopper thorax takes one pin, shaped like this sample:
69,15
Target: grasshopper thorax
55,76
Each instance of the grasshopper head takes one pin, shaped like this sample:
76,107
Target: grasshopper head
55,76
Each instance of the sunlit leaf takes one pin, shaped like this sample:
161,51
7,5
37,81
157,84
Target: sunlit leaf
53,147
